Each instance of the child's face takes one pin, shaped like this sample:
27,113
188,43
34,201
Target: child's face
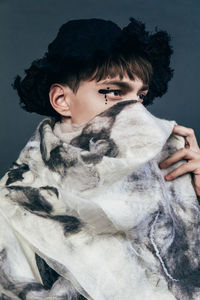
90,100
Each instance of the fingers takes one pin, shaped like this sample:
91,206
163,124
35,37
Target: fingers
191,153
189,166
182,153
192,165
190,138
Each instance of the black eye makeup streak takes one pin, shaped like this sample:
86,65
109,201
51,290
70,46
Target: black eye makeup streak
102,91
124,85
108,90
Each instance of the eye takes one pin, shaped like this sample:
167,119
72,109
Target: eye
114,92
142,96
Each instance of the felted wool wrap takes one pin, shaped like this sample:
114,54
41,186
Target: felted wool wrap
94,218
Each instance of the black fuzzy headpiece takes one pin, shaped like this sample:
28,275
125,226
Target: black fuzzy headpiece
79,44
85,39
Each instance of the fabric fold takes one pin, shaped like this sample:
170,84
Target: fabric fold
94,207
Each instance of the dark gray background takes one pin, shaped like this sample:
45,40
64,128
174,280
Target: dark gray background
28,26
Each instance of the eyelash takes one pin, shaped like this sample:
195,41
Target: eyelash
109,91
114,91
143,96
119,91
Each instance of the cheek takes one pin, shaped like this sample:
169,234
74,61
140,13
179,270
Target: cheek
87,105
91,103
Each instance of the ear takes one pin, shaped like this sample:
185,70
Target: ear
59,97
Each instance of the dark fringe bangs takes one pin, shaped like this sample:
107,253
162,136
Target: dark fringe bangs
120,66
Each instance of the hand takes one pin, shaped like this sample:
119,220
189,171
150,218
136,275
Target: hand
191,152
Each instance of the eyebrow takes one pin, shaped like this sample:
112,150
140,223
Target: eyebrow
124,85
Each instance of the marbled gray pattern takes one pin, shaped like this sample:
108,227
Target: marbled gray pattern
95,219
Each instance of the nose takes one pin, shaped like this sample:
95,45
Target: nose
134,96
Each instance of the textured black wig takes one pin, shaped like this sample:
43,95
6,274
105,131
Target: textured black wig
82,46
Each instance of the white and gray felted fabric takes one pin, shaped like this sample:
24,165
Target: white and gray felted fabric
92,217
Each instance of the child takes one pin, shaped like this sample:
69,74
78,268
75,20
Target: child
85,210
